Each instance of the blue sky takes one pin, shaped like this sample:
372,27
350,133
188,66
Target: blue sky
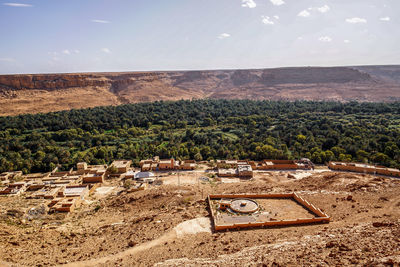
46,36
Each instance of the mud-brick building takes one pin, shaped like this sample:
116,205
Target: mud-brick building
227,172
281,165
245,171
122,166
155,164
10,175
187,165
363,168
167,164
14,189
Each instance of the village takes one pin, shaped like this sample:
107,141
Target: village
65,191
96,213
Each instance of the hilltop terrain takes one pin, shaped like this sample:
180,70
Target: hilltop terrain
169,225
36,93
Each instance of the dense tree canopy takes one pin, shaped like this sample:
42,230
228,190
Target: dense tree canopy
203,129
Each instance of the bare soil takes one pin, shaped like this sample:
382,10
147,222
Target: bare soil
168,225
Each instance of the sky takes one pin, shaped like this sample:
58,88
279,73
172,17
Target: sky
50,36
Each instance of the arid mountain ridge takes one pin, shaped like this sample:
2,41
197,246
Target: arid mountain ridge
33,93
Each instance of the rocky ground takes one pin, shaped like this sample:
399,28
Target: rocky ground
169,225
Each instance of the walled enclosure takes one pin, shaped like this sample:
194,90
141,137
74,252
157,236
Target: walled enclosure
363,168
320,217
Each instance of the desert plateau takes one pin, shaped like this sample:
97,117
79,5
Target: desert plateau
40,93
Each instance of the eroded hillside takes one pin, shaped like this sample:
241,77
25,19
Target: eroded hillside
169,225
52,92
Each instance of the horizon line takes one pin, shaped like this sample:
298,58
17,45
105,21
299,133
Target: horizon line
211,69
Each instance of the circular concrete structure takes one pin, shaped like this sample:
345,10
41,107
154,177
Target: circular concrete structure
244,205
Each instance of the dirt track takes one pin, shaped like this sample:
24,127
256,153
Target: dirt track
193,226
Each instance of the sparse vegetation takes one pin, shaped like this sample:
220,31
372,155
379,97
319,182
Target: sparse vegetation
127,184
97,208
112,169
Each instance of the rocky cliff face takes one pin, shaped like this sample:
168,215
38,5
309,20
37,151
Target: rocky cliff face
237,78
49,81
51,92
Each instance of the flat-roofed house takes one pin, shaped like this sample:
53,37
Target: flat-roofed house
35,186
14,189
47,193
145,164
122,166
91,178
227,172
81,166
227,164
280,165
166,164
146,167
80,191
6,177
84,168
187,165
67,204
245,171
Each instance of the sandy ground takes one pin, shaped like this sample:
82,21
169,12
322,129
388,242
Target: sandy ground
183,178
169,225
193,177
303,174
194,226
104,191
190,227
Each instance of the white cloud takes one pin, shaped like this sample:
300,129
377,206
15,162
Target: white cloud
385,18
267,20
277,2
17,5
65,52
276,17
304,13
323,9
106,50
346,41
307,12
249,3
356,20
325,39
100,21
224,35
7,59
54,56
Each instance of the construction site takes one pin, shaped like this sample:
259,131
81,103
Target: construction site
239,211
108,215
